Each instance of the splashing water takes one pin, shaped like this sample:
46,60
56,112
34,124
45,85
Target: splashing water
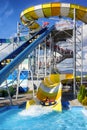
35,110
84,112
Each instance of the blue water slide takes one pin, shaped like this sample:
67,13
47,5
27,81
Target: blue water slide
7,70
23,46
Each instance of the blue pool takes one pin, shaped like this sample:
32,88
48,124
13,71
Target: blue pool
38,118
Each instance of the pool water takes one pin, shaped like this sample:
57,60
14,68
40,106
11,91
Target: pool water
40,118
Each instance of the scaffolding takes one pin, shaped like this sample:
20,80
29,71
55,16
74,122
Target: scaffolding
49,55
55,49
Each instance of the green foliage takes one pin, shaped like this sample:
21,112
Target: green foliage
84,101
80,97
78,79
4,93
82,93
12,91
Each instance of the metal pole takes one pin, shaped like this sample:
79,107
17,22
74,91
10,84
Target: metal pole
31,73
38,58
18,83
37,66
50,53
18,78
29,64
82,55
45,59
53,64
74,54
9,93
34,60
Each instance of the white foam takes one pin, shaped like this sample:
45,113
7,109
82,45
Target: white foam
35,110
84,111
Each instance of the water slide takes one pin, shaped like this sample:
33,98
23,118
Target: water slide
8,69
17,51
30,15
50,86
49,93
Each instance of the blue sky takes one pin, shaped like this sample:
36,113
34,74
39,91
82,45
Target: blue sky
10,13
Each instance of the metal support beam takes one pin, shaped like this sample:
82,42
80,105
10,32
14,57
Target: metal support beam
74,54
9,93
45,58
18,83
82,55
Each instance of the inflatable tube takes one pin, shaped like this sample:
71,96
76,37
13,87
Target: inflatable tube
48,103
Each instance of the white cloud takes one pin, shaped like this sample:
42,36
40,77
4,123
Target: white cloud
4,8
85,35
84,47
5,12
9,12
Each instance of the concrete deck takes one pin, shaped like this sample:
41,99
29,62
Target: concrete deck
75,102
21,99
24,97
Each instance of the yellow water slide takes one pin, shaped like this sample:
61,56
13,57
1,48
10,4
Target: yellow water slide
51,87
31,14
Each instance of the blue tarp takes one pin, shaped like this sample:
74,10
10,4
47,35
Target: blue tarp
23,75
